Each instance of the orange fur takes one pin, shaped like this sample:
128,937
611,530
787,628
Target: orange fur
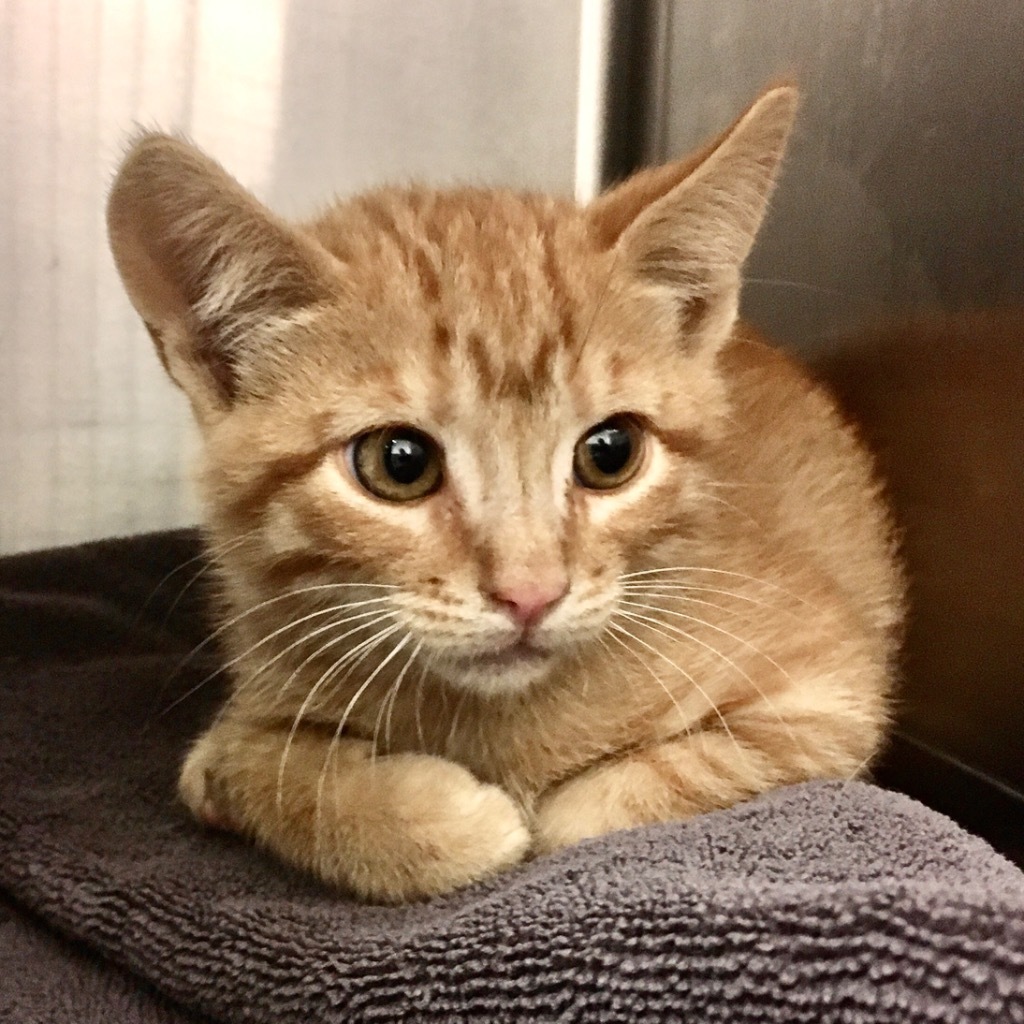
731,611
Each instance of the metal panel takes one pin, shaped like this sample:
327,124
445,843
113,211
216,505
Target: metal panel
905,182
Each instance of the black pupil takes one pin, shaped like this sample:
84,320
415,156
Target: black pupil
405,458
610,448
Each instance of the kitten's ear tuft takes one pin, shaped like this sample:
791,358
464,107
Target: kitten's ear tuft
689,225
206,266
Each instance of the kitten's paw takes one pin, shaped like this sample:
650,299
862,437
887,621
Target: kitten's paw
430,827
584,807
390,829
199,788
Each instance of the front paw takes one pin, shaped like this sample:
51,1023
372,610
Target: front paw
201,789
426,826
390,829
589,805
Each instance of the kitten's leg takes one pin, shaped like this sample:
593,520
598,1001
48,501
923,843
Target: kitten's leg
709,769
390,828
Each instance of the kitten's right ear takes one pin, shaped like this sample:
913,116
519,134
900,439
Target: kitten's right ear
208,268
687,227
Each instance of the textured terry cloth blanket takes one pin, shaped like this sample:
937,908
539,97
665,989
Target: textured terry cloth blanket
822,903
45,979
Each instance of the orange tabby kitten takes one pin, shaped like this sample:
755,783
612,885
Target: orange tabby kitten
521,539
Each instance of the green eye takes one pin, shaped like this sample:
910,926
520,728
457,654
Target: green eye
396,463
609,454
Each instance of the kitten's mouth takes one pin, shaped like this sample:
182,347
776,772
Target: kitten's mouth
519,653
507,670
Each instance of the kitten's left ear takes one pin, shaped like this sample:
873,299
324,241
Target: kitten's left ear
688,226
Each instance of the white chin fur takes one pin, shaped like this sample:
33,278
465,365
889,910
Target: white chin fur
495,681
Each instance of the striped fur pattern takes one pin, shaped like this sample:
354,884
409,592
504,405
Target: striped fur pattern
721,623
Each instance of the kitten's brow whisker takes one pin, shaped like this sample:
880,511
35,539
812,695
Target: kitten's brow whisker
693,682
203,556
735,508
779,282
597,308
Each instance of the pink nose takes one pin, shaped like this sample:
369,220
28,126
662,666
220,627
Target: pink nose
527,603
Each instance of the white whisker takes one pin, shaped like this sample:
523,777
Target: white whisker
455,722
307,636
212,553
389,702
417,700
283,687
363,646
203,556
336,738
656,586
686,675
719,654
746,614
732,636
654,675
269,601
735,508
683,569
778,282
303,639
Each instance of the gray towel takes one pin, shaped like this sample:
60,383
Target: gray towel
821,903
45,979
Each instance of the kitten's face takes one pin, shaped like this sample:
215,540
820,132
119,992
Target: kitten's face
488,417
485,406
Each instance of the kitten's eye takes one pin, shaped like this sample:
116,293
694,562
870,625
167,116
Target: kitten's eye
396,463
609,454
